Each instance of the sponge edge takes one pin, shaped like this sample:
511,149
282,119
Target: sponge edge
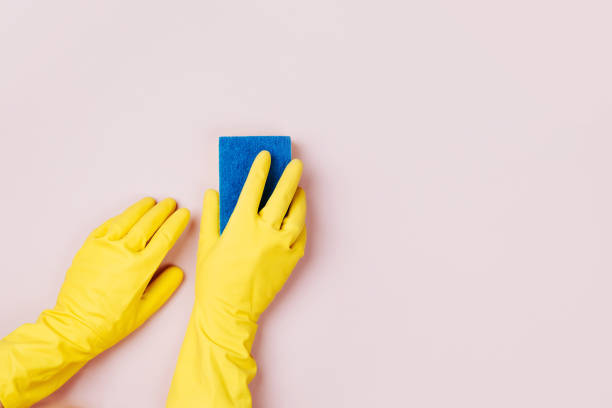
236,154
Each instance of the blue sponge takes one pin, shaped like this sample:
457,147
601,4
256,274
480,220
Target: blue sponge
236,154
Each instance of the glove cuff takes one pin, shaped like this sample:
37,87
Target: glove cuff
230,331
38,358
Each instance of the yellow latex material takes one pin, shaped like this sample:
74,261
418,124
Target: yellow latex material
238,275
107,293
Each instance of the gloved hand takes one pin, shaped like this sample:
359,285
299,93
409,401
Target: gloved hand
238,275
106,295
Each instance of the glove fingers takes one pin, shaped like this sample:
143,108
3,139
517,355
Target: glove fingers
144,229
168,233
250,196
158,292
300,243
209,225
281,197
294,222
102,229
121,224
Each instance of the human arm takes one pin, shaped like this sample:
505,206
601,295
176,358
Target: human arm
238,275
107,293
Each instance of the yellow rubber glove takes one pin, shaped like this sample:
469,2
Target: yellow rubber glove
238,275
106,295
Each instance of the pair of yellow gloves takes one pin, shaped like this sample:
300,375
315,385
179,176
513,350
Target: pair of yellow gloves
108,292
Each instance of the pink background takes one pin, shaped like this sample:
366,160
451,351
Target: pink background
457,164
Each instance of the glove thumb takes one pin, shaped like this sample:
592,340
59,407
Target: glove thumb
158,292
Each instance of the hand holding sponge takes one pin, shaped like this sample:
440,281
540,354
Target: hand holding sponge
238,275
